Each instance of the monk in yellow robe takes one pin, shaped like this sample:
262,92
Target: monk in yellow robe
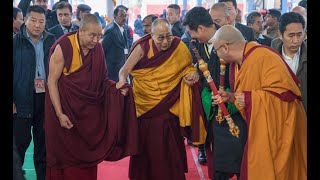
167,97
268,96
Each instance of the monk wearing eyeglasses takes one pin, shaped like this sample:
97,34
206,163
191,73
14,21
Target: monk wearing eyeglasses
167,97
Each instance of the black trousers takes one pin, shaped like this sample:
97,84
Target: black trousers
223,176
22,135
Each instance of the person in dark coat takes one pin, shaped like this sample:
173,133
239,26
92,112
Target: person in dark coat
64,15
115,44
30,62
293,48
245,30
51,17
255,20
173,16
226,155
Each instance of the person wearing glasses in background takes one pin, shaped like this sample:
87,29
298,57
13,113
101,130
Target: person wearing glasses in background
167,97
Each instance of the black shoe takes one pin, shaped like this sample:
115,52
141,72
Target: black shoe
202,158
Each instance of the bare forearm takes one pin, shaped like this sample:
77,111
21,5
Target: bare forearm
123,74
55,96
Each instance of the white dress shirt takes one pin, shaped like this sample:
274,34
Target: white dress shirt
294,62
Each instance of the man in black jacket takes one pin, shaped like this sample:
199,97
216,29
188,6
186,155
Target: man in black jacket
226,149
51,18
246,32
115,43
173,16
64,15
30,61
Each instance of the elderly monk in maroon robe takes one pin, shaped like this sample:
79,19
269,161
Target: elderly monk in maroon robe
87,120
167,97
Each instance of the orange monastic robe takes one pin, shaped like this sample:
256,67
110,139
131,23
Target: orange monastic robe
276,120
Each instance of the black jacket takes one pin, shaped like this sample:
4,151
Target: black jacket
113,44
246,31
24,67
227,149
177,29
58,32
265,41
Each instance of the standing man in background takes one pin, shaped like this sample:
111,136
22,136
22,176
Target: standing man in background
115,43
82,10
255,20
17,20
147,21
173,16
30,62
245,30
64,15
272,23
51,18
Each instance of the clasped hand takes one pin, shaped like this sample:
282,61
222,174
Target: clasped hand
191,78
124,91
228,97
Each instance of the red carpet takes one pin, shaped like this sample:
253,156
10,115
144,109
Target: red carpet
119,170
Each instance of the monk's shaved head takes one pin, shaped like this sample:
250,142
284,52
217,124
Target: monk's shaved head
228,34
229,44
300,10
88,20
160,24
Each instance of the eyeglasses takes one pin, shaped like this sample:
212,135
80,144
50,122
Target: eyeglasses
216,50
161,38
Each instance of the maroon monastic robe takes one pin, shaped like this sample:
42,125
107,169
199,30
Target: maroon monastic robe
163,154
105,123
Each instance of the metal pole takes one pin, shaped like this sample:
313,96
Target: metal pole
284,6
185,4
199,2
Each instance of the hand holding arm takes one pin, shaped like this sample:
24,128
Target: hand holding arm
126,69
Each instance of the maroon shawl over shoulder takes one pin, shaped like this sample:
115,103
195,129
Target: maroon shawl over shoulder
166,103
105,123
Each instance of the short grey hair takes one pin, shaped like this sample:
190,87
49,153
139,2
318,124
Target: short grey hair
89,19
158,21
220,5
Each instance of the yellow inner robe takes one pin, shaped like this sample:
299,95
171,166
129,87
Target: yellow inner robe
277,132
151,85
76,56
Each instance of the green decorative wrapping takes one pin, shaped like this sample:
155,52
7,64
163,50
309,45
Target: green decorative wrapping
211,111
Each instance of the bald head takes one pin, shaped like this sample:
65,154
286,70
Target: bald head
160,24
229,44
300,10
228,34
